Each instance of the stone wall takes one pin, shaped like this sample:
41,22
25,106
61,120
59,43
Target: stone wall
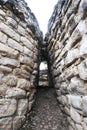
67,54
19,61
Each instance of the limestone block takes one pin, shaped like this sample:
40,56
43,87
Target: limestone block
77,86
63,87
71,24
22,107
69,72
82,69
10,80
63,100
67,111
72,123
75,90
56,72
72,9
23,24
33,81
36,56
83,47
2,12
6,123
84,105
35,72
18,121
72,56
69,99
82,26
8,51
79,127
69,119
1,81
35,66
3,38
30,38
9,13
58,92
1,75
15,45
15,93
3,89
25,60
75,116
5,69
85,123
21,73
7,107
24,84
27,68
74,39
21,30
43,83
9,62
28,52
70,128
2,18
77,81
82,9
29,31
27,43
10,32
76,101
75,3
12,22
74,6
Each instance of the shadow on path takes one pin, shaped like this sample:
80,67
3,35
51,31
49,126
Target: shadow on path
46,114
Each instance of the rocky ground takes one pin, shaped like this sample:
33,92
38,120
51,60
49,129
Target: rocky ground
46,114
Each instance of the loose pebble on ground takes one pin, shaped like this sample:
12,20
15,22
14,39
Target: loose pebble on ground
46,114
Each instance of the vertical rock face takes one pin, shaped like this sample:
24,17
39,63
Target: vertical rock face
19,60
67,52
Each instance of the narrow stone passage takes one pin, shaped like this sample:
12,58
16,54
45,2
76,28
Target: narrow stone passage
46,114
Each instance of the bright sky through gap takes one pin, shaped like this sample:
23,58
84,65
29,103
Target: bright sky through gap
43,10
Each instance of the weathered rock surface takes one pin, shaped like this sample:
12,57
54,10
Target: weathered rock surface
67,53
20,55
7,107
20,37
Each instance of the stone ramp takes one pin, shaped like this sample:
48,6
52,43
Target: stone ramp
46,114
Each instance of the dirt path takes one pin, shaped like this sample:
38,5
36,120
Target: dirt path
46,114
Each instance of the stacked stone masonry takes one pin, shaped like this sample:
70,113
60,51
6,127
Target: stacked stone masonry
67,54
19,61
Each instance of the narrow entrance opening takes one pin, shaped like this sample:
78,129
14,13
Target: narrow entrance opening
43,75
